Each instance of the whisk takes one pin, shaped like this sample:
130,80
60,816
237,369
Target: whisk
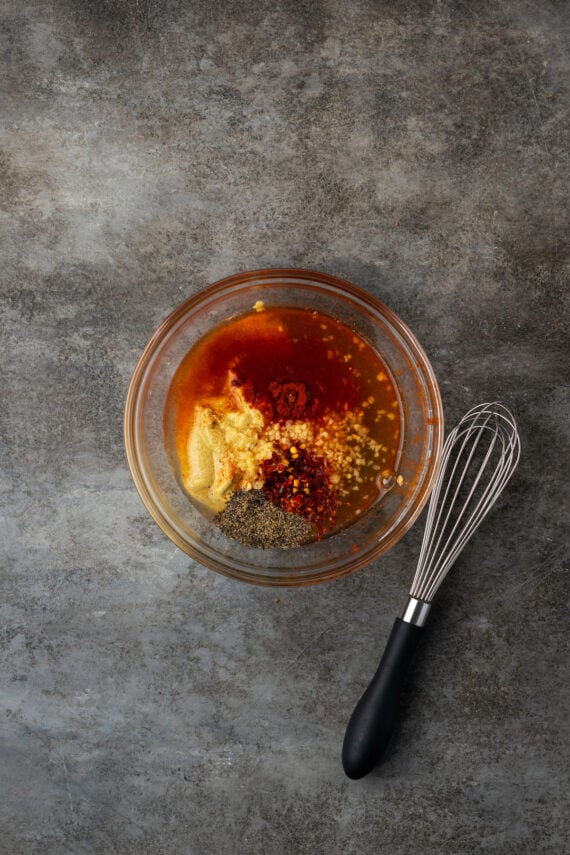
479,456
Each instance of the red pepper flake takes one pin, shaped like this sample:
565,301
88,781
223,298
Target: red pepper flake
299,482
290,399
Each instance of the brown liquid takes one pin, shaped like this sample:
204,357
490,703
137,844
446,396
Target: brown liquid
341,372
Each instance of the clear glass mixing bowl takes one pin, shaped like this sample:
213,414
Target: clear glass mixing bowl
345,551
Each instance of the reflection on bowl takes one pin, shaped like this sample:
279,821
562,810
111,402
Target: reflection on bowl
343,549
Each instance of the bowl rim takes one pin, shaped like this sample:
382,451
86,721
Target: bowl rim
232,284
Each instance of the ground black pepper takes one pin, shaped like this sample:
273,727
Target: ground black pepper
250,518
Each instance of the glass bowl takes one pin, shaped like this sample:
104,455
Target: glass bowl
382,525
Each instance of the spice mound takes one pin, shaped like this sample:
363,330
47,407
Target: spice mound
301,483
252,519
281,424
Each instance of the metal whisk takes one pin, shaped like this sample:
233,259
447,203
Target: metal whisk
479,456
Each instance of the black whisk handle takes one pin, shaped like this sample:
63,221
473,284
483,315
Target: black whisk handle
373,719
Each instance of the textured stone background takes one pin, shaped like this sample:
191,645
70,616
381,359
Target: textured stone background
148,148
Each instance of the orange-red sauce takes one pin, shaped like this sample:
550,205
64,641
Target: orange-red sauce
341,372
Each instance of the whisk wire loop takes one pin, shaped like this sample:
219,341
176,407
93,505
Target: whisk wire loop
479,457
434,545
446,558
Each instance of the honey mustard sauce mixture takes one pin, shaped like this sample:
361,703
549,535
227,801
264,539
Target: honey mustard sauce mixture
282,425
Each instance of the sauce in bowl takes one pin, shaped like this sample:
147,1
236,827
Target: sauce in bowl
290,405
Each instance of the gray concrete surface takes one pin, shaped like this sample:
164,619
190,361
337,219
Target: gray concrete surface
148,148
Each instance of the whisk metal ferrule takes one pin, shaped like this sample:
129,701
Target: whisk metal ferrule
416,612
